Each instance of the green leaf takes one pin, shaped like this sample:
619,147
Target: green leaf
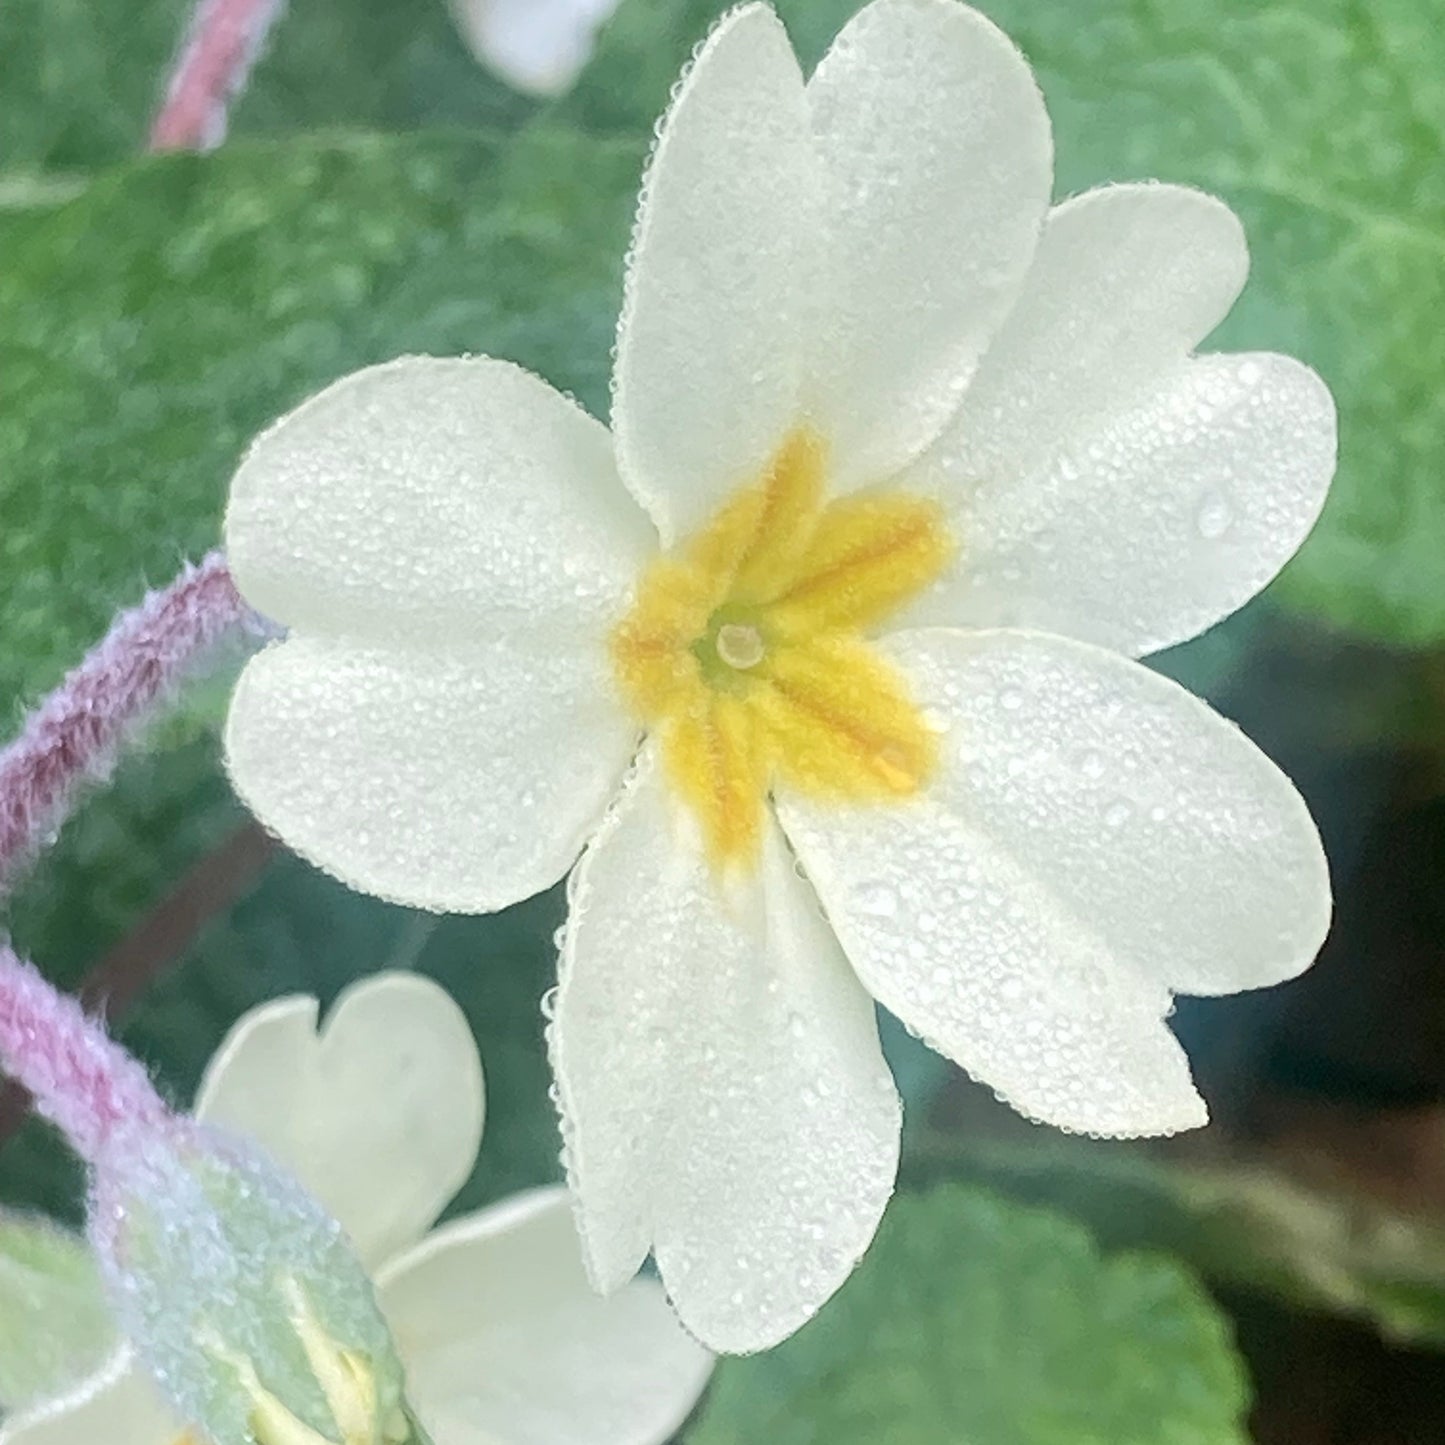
977,1321
80,82
152,325
1246,1225
55,1327
1322,125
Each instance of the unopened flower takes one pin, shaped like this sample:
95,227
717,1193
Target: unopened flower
240,1292
503,1340
906,467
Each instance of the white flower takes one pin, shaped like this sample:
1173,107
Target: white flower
380,1115
865,376
536,45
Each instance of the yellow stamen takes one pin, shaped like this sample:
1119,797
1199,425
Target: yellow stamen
744,649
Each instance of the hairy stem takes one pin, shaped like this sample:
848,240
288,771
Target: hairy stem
80,1080
75,735
222,44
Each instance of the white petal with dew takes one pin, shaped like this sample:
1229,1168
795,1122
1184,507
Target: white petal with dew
937,165
505,1339
1103,484
379,1114
724,1097
457,780
1095,838
539,46
431,501
118,1406
710,343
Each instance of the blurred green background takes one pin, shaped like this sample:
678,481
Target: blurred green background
1279,1277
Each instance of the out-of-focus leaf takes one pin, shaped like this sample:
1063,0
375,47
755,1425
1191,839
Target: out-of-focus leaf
55,1327
152,325
1322,124
1249,1226
80,82
975,1320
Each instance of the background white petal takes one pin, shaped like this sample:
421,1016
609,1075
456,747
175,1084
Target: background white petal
537,45
428,500
119,1406
459,779
710,344
723,1093
1095,838
937,166
1103,484
379,1115
506,1342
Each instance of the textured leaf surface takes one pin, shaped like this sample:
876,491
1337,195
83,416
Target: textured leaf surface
54,1324
150,326
977,1321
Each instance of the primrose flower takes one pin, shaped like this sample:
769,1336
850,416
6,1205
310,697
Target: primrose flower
905,468
504,1341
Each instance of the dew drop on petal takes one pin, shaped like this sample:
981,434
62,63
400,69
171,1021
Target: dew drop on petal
1213,517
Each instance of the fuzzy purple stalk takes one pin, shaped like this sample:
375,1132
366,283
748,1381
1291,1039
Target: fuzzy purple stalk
82,1081
74,737
222,44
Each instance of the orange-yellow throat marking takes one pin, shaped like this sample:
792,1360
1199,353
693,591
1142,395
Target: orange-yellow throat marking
745,649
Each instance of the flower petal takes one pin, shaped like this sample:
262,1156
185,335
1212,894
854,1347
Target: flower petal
937,166
505,1340
379,1116
710,344
427,498
118,1406
1094,838
461,781
723,1093
1103,484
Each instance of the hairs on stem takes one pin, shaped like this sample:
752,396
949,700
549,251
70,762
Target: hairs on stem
74,737
223,42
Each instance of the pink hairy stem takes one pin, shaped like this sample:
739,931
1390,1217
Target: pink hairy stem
79,1078
222,44
75,735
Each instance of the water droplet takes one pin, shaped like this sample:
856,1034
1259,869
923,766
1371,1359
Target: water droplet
1117,813
1214,516
878,900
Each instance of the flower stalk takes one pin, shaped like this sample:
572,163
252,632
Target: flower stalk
75,736
223,42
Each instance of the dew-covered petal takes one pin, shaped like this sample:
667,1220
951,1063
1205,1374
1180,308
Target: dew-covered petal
379,1114
461,780
937,165
711,340
1104,484
427,501
723,1093
118,1406
506,1342
1094,839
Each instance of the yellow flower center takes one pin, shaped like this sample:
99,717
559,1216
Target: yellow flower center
745,652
